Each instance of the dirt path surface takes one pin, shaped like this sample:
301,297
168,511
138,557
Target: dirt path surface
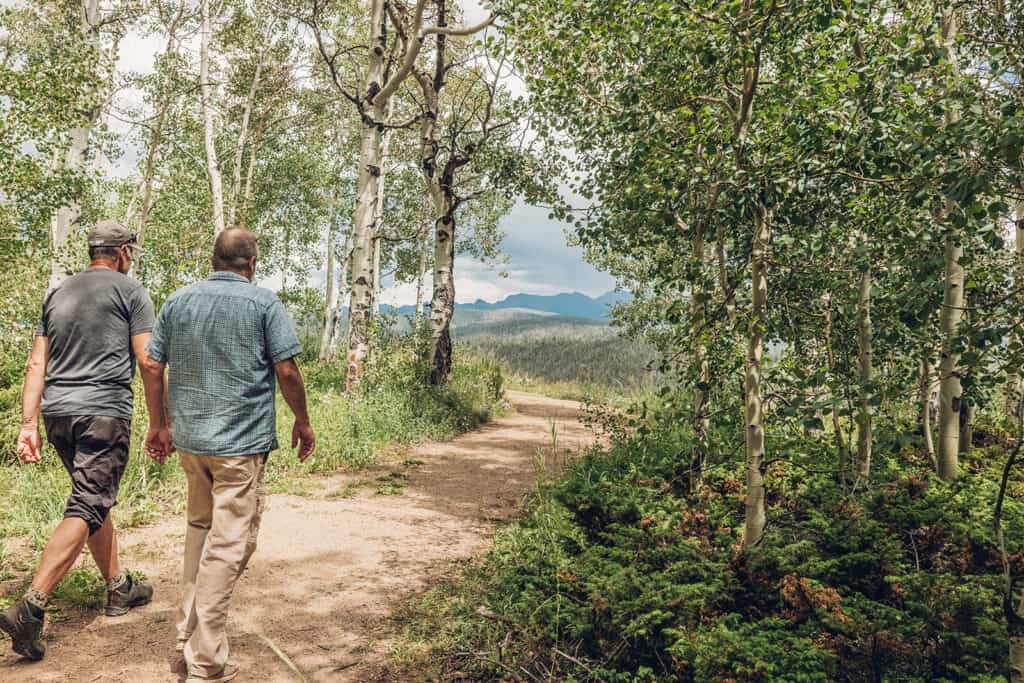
330,565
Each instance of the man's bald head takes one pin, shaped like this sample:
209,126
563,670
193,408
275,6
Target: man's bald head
234,250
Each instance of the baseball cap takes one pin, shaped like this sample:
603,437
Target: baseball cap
110,233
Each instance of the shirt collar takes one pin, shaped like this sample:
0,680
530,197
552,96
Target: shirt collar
227,275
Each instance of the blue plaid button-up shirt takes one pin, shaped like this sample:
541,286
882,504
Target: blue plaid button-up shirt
220,339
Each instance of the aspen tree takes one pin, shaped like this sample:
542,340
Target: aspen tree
65,218
209,132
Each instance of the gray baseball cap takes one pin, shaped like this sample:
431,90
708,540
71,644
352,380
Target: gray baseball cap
110,233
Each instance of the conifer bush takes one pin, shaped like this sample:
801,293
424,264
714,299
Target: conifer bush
619,573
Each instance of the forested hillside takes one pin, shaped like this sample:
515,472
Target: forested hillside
564,356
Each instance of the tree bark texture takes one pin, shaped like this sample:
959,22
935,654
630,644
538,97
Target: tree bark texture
378,213
361,293
442,302
950,389
755,456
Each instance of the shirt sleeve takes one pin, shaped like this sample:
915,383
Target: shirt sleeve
41,327
282,343
141,311
157,347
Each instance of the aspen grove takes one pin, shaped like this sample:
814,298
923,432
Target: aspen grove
816,206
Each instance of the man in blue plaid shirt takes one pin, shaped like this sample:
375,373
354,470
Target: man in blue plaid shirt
228,344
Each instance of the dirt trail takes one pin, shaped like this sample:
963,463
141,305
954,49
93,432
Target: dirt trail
329,568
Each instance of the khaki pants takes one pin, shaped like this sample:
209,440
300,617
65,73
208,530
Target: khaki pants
225,501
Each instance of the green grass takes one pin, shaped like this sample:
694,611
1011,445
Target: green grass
393,408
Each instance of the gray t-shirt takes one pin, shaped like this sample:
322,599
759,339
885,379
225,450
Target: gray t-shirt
89,322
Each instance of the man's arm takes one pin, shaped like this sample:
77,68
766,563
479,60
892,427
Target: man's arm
289,378
158,439
29,442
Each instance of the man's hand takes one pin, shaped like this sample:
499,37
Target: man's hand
159,444
302,433
30,444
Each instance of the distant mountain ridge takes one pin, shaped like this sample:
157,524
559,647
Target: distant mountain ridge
573,304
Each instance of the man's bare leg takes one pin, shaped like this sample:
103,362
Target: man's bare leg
60,554
103,546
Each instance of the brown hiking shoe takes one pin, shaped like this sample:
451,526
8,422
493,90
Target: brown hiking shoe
137,593
24,629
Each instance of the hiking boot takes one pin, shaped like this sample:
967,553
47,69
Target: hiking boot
226,674
135,593
24,629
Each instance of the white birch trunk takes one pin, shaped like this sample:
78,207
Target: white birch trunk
1016,384
701,421
378,223
330,304
250,171
243,135
153,153
843,473
864,358
376,275
950,389
925,400
361,297
421,274
65,218
442,302
209,137
755,516
336,334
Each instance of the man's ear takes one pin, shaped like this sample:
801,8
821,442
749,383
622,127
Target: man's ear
126,257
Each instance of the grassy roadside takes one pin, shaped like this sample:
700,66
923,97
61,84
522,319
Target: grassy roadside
392,408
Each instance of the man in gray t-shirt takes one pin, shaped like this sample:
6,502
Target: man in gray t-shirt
79,376
89,321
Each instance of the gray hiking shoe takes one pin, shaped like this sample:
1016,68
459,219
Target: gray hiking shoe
228,673
137,594
24,630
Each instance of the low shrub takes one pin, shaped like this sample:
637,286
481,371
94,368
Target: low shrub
619,573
